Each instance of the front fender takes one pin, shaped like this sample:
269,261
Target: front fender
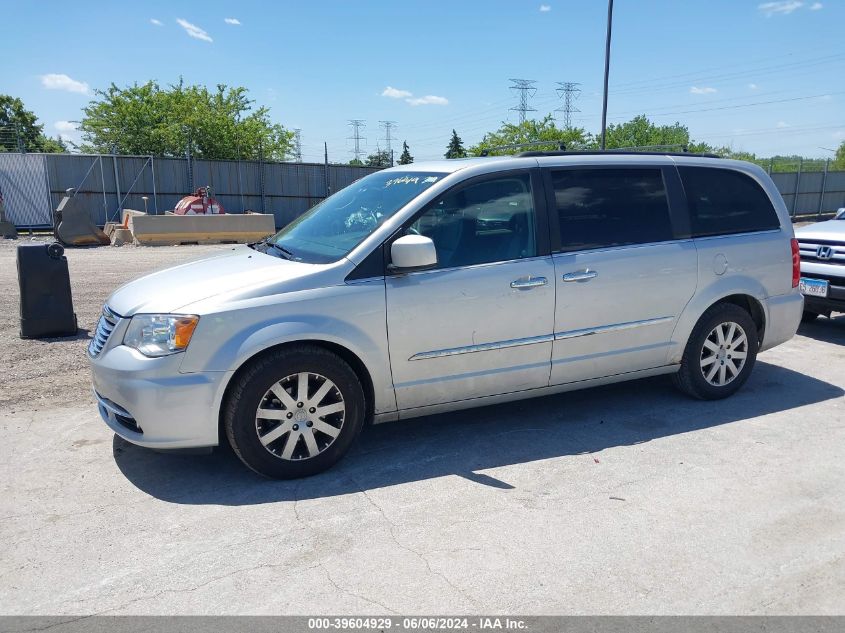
224,341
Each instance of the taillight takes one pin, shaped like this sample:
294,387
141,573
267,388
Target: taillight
796,263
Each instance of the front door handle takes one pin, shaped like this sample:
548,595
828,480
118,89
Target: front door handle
580,275
528,282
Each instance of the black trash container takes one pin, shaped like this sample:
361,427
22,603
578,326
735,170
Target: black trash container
46,302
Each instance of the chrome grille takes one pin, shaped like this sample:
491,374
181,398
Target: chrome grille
105,326
832,252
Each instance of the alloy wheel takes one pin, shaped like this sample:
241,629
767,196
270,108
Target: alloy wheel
724,353
300,416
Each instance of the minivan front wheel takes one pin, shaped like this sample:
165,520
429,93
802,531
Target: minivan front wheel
294,412
720,353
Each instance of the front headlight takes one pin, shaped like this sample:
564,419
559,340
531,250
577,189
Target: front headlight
160,334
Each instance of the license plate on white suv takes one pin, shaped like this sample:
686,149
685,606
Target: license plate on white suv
813,287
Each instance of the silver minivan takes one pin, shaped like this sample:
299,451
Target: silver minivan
444,285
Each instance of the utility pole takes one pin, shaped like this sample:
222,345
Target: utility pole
357,125
297,145
606,73
388,126
526,89
569,92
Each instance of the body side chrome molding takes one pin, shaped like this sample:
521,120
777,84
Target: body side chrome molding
483,347
533,340
559,336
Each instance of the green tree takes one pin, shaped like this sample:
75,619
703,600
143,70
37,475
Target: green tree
356,162
379,159
146,119
839,159
456,147
640,132
531,131
405,158
19,129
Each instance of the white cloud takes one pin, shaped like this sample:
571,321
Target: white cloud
428,100
54,81
753,86
782,124
194,31
545,8
704,90
65,126
816,6
155,22
784,7
233,21
396,93
67,130
408,96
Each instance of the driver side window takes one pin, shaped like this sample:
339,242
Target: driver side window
480,223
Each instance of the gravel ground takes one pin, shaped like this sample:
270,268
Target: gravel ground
54,372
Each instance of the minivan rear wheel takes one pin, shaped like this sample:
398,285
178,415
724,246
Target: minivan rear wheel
294,412
720,353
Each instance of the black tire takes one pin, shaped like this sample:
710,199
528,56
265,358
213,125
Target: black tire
251,389
809,317
691,377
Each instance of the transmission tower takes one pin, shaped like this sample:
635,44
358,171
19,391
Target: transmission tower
297,145
569,92
388,126
357,125
526,89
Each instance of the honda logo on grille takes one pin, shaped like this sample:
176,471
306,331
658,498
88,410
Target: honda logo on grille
824,252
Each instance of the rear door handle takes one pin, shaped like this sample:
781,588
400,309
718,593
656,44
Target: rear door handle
580,275
528,282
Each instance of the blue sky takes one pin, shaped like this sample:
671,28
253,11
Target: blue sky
761,76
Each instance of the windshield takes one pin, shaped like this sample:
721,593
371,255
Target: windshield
339,223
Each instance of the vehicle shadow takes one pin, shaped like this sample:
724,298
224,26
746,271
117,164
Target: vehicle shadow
465,442
826,330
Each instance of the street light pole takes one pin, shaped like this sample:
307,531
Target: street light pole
606,72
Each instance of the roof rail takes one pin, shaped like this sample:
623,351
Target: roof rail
625,152
560,146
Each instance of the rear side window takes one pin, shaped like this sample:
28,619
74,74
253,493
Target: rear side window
723,201
610,207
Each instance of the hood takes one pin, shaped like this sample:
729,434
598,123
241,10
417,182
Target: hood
239,269
830,230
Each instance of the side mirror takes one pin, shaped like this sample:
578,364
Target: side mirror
412,252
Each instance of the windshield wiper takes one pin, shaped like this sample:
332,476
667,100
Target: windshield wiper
287,254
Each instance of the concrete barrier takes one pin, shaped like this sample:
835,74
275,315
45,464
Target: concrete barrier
164,230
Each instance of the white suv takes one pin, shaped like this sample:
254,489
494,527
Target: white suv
822,248
439,286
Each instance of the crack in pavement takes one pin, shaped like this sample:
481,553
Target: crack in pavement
349,592
392,527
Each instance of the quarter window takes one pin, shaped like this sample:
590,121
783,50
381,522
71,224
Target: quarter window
724,201
599,208
484,222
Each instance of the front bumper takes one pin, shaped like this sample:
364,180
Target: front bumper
833,302
147,401
834,274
